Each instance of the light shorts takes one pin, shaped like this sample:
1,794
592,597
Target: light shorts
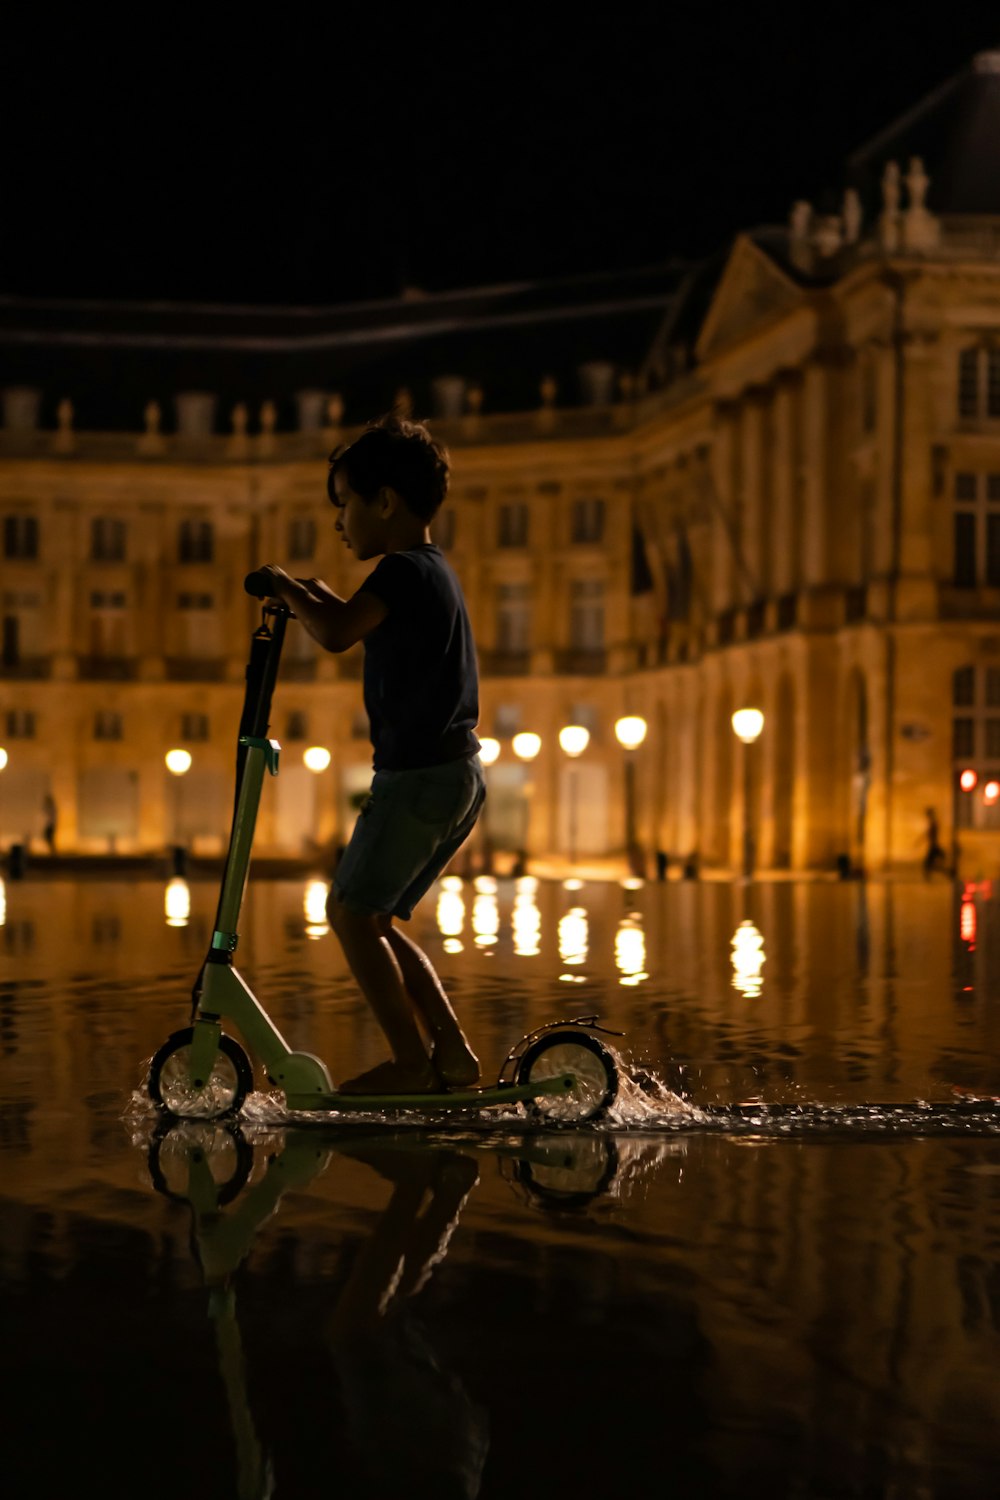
411,825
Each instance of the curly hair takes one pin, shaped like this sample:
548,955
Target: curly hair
401,455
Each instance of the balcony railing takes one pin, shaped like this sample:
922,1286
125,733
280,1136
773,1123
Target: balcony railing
195,669
107,668
505,663
26,668
577,663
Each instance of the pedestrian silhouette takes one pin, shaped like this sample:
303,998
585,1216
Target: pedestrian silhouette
934,859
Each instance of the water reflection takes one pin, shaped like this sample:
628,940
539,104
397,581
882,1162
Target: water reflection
526,918
574,938
485,912
748,960
450,913
177,902
413,1425
630,950
314,906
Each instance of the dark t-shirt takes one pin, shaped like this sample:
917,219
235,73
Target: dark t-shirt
421,678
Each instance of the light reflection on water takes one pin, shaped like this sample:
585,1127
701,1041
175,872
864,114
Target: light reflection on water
804,1289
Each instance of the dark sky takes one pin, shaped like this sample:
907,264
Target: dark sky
274,158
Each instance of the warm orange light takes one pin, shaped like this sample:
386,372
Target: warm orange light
967,921
991,791
967,780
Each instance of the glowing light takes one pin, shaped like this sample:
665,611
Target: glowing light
630,951
3,904
177,902
450,913
314,906
630,731
486,885
485,919
526,746
526,919
632,883
574,936
489,750
178,762
572,884
316,758
747,724
967,780
3,757
748,960
574,739
991,791
967,922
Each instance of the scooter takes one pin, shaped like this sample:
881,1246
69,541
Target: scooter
561,1072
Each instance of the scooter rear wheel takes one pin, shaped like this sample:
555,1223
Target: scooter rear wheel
222,1093
575,1052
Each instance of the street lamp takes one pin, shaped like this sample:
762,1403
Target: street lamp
489,750
747,725
630,732
316,759
573,741
526,747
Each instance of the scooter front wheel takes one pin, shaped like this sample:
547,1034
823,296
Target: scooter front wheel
592,1066
222,1093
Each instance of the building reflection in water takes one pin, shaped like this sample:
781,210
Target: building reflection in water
526,919
450,913
3,904
314,906
177,902
485,912
748,960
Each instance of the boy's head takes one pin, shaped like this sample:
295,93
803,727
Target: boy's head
393,461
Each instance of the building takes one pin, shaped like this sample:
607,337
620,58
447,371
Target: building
772,479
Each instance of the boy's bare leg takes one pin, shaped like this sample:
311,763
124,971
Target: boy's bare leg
456,1063
377,972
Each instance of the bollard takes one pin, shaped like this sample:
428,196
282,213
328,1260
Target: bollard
179,860
17,861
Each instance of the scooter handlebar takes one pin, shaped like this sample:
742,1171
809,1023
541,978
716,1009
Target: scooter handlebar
257,584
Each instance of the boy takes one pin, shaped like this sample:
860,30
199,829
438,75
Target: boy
421,692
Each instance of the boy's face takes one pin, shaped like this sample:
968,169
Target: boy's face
359,524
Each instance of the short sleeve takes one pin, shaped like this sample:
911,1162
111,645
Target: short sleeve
391,581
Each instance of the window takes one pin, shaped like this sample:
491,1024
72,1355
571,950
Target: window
20,725
301,538
297,725
977,531
512,524
107,539
588,520
514,618
190,600
107,624
107,725
975,743
586,628
194,727
20,538
979,382
507,720
195,542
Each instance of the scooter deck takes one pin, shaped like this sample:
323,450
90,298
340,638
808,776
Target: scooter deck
476,1098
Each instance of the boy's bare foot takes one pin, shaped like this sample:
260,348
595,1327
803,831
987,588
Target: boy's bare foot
456,1064
394,1078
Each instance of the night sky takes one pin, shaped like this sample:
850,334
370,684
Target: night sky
286,160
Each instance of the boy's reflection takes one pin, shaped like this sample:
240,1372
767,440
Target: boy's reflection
415,1425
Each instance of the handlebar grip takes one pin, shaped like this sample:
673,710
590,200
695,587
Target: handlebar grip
256,583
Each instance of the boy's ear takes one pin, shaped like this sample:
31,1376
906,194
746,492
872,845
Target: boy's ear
388,501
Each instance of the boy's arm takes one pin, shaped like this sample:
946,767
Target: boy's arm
337,624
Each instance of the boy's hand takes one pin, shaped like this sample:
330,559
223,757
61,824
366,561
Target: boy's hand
274,577
317,588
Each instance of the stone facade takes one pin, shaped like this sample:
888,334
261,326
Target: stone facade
802,514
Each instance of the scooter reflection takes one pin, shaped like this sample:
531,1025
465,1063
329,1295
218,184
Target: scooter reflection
415,1426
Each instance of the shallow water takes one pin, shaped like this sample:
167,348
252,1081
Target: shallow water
776,1269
